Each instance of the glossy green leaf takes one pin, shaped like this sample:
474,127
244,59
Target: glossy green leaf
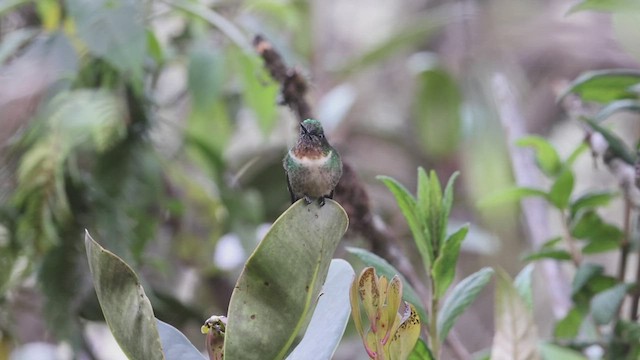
554,352
592,200
384,268
277,291
523,284
605,305
617,106
605,5
407,204
604,86
516,336
124,303
113,31
618,148
420,352
546,155
435,214
330,317
444,268
510,195
155,47
561,189
460,298
585,273
437,112
569,326
175,345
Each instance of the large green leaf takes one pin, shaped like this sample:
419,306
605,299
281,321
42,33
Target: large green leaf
112,30
462,295
516,335
384,268
604,86
279,286
176,346
124,303
444,268
330,317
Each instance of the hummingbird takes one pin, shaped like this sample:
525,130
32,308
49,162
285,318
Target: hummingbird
313,167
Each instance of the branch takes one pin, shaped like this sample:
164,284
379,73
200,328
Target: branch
534,211
350,191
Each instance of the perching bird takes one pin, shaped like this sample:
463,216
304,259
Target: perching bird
312,166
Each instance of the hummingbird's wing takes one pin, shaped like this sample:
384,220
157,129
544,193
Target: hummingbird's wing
293,197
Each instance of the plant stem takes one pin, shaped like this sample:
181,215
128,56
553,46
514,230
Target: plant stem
574,252
636,295
624,246
433,323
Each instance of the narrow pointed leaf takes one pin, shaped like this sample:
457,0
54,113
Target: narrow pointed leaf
516,336
330,317
407,205
447,202
617,106
124,303
510,195
176,346
444,269
279,286
523,284
435,207
422,196
384,268
462,295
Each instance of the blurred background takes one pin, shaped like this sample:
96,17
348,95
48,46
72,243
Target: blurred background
154,126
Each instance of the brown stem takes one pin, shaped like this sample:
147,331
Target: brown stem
624,246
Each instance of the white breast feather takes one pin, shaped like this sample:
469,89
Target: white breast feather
311,162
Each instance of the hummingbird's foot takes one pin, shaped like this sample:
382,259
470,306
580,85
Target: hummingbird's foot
307,200
321,201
